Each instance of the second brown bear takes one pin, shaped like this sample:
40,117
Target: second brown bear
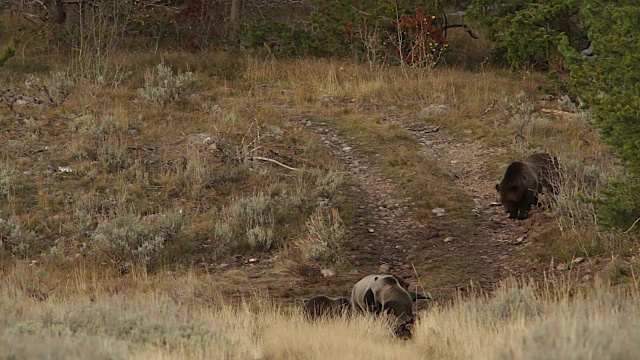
524,180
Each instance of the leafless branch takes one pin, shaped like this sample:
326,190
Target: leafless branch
273,161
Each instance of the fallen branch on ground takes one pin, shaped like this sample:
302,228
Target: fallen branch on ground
273,161
557,112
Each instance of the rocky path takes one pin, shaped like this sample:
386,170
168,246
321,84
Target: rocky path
387,235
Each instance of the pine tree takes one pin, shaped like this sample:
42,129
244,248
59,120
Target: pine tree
610,83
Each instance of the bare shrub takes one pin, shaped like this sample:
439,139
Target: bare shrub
247,222
325,232
84,216
15,237
327,183
40,287
96,39
129,239
98,137
162,87
195,170
518,116
96,125
57,89
113,152
579,182
52,92
9,179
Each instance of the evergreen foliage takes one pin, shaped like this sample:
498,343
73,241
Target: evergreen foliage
610,83
527,33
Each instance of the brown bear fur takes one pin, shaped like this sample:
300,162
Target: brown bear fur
362,294
414,295
524,180
325,306
384,294
393,299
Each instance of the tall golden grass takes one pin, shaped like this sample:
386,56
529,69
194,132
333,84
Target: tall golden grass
165,316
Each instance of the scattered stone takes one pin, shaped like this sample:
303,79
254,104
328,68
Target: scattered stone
438,211
328,273
203,140
371,230
586,278
252,260
354,272
577,260
64,169
347,148
448,239
518,240
454,162
384,268
588,52
566,104
562,266
434,109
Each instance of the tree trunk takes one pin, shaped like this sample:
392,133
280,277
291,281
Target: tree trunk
58,13
234,18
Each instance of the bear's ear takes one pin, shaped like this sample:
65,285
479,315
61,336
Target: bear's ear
498,187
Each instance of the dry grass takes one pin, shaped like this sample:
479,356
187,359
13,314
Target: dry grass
527,322
85,183
167,316
126,152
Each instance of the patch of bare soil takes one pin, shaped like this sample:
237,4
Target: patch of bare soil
440,255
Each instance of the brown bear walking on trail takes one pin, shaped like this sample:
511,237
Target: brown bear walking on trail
383,294
319,306
524,180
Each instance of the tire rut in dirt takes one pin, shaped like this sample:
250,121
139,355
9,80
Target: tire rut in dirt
386,230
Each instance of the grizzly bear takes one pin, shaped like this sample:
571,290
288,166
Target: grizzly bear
524,180
383,294
414,295
325,306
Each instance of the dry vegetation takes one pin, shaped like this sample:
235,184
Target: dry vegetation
93,313
115,187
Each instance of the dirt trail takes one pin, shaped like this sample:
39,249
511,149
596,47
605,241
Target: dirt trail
445,253
387,232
